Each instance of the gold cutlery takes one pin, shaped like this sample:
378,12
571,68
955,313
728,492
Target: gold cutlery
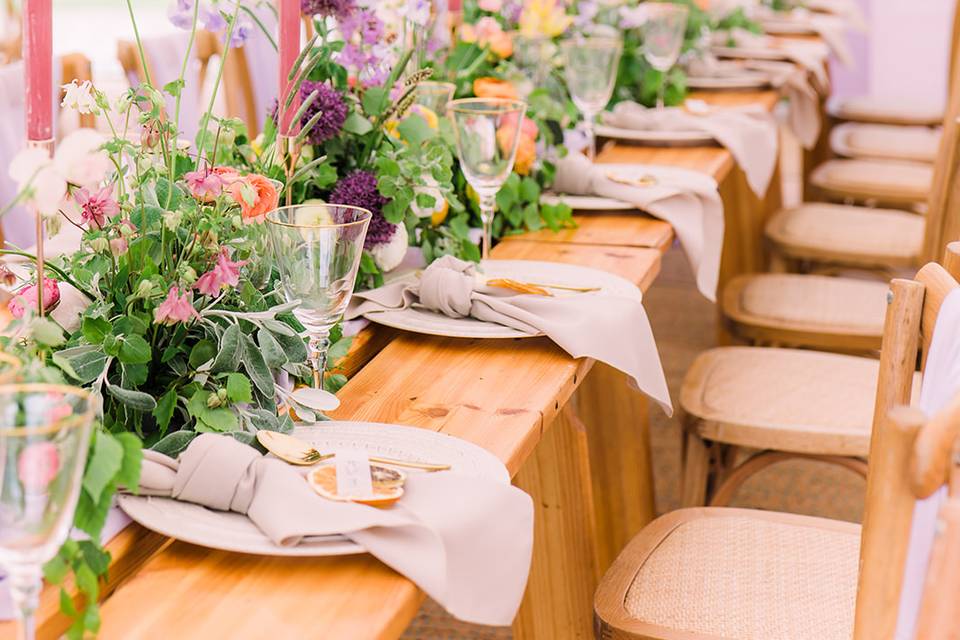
295,451
645,180
535,287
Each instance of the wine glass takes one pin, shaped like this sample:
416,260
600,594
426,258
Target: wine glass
487,132
533,55
590,68
44,437
663,32
434,95
317,249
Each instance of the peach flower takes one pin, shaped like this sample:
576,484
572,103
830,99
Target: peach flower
526,156
493,88
256,196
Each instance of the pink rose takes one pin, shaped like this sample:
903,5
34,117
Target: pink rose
38,465
26,298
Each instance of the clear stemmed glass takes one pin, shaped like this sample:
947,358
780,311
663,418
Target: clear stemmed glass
590,67
44,437
434,95
663,31
533,55
487,131
317,249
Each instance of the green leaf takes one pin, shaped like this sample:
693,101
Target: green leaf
256,367
105,461
529,190
357,124
282,328
238,388
55,570
134,399
133,375
174,443
375,101
294,345
273,353
129,474
228,357
91,515
95,329
86,361
203,351
173,88
134,349
220,419
164,410
415,130
46,332
87,582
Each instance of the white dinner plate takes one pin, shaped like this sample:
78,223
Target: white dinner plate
787,27
235,532
420,320
634,172
653,137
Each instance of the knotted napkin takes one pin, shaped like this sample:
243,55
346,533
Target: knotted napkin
466,541
749,133
812,56
793,83
608,328
694,209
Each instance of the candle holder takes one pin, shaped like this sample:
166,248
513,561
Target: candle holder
45,145
287,156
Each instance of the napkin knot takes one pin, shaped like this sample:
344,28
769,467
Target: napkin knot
574,175
447,286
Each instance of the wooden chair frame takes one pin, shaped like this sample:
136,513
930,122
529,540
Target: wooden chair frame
908,455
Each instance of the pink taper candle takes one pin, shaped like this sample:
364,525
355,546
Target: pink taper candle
289,50
38,60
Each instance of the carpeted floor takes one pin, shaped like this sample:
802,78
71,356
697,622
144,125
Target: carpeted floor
684,325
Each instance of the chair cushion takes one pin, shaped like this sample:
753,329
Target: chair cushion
749,575
886,180
906,110
785,399
860,235
885,142
808,303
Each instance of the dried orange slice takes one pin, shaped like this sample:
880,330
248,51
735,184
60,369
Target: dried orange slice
387,485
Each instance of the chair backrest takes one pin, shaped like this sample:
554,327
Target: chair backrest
11,34
914,306
943,205
954,47
940,609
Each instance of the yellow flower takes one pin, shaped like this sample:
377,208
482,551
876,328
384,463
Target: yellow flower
544,18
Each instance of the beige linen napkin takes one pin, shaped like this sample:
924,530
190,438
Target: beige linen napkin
611,329
847,9
749,133
694,210
793,83
465,541
810,55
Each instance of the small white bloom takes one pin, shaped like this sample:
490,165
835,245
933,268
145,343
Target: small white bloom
80,160
80,96
389,255
41,184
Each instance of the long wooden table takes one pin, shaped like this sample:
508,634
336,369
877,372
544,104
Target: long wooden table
570,432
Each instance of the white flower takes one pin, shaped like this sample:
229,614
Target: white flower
80,160
80,96
389,255
36,176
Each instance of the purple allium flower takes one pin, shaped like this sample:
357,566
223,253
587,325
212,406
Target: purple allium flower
211,19
365,22
241,31
337,8
180,14
359,189
328,101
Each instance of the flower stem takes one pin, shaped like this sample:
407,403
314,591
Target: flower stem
216,85
176,108
136,33
57,270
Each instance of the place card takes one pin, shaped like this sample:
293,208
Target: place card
353,474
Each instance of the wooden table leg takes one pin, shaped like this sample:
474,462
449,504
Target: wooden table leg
559,599
617,424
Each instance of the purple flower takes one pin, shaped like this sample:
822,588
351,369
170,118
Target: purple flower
241,31
337,8
359,189
180,14
330,103
96,207
211,18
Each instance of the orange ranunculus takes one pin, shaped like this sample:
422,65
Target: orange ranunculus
527,127
493,88
526,155
501,44
256,196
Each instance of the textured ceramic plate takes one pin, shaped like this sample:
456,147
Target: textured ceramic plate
746,79
234,532
654,137
437,324
630,171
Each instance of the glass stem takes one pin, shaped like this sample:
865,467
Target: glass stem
25,584
319,345
661,90
591,135
488,205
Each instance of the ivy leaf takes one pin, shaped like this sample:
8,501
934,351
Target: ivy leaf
220,419
164,409
134,399
134,349
105,462
129,474
95,329
238,388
